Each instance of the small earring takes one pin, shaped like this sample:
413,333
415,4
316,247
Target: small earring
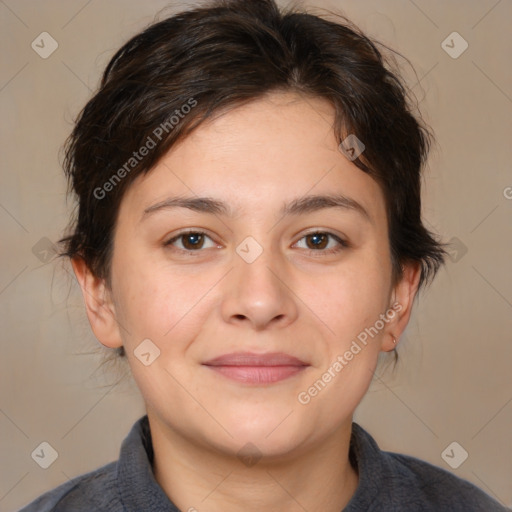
394,340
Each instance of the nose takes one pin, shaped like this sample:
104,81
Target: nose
259,294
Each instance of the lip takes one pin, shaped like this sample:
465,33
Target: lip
251,359
253,368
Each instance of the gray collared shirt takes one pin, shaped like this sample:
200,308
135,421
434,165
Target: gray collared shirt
387,482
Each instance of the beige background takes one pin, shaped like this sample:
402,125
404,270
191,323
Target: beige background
454,381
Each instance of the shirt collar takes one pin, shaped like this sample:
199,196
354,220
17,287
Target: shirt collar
139,490
366,457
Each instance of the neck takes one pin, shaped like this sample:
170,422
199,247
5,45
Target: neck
198,478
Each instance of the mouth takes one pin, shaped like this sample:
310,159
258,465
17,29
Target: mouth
252,368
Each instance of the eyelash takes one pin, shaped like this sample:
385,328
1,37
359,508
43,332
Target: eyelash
316,252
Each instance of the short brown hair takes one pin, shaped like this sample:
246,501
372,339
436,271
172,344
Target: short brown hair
223,55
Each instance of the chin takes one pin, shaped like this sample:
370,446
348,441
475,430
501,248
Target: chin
273,429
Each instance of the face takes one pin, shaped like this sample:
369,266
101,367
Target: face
266,308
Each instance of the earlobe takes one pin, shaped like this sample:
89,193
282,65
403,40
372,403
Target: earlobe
98,304
403,299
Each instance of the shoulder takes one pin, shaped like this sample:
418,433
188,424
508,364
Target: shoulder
126,484
96,490
432,488
398,482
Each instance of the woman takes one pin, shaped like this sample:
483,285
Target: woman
249,237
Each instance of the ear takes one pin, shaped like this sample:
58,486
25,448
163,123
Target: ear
98,304
403,294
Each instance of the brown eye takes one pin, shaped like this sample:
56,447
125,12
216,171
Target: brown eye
193,240
317,241
190,241
323,242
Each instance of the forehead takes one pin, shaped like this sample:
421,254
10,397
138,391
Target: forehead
258,156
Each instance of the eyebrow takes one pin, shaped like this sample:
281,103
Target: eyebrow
299,206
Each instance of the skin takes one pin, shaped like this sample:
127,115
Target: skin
293,298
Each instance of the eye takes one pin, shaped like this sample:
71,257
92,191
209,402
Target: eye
318,241
323,242
190,241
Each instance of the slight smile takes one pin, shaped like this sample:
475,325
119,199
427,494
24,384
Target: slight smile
257,368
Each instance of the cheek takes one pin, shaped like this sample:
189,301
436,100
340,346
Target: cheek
352,303
159,303
353,297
